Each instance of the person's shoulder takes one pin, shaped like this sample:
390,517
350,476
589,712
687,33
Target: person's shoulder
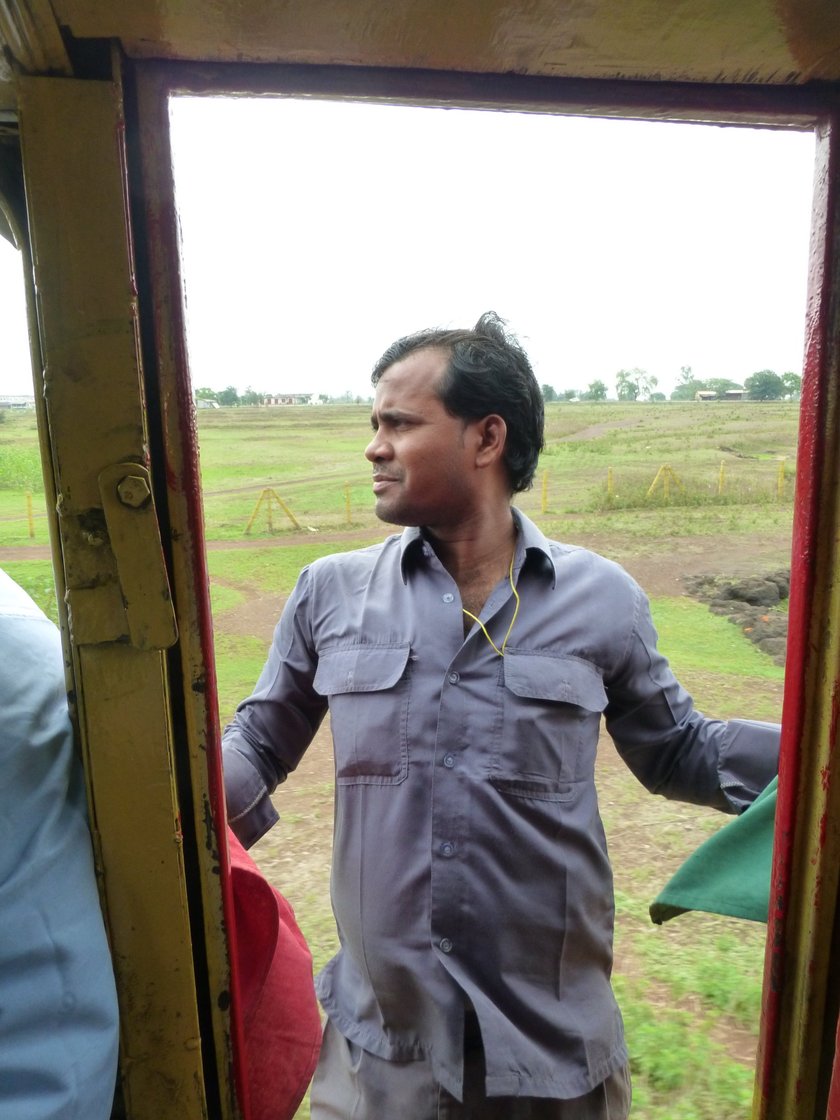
576,555
357,560
15,603
573,562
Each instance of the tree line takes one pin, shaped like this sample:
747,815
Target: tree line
630,385
638,385
230,397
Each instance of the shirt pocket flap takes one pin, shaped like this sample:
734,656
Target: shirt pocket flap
565,680
360,669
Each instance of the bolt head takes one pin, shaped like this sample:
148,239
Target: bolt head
133,491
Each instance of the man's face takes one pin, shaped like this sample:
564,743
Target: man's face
421,458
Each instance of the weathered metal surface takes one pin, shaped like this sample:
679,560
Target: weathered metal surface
800,1011
170,387
134,536
680,40
75,182
774,42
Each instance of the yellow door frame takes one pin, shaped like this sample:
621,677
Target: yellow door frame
156,805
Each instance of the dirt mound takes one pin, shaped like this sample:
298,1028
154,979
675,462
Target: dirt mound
758,605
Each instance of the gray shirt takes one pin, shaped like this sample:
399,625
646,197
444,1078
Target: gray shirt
470,862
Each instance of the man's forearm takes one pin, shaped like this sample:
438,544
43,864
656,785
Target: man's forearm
247,790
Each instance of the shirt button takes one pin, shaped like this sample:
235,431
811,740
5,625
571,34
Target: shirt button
454,678
447,849
446,945
449,761
448,597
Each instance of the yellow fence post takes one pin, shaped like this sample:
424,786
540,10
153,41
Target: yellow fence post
268,496
666,475
721,477
653,485
29,516
256,511
285,509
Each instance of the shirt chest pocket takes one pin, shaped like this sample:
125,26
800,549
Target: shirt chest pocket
551,717
368,691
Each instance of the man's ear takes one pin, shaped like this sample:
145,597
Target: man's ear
492,432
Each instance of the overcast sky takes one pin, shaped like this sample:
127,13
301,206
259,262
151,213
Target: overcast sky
315,233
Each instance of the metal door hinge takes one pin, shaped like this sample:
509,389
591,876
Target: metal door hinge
134,536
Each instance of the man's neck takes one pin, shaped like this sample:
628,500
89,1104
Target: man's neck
477,554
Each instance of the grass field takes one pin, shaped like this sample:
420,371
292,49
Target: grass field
689,990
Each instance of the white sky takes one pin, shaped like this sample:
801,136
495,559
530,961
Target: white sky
315,233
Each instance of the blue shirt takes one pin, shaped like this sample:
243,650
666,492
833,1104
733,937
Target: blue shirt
58,1006
469,855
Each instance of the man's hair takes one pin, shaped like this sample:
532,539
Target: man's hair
488,372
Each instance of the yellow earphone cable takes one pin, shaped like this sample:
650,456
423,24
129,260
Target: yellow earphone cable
469,614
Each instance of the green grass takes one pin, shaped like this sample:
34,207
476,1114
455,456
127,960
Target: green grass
678,1068
239,661
697,971
633,491
20,468
311,457
20,459
224,599
693,638
271,569
16,507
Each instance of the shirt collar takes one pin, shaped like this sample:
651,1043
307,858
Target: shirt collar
529,541
411,542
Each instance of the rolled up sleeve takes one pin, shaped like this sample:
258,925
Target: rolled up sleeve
250,811
671,747
749,760
272,728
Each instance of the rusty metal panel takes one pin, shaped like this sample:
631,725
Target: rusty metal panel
75,183
799,1018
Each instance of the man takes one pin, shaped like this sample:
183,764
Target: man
58,1003
466,664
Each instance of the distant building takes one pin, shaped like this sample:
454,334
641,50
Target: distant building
705,395
202,402
288,398
735,394
10,400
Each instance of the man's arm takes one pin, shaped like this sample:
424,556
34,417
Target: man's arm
670,746
273,727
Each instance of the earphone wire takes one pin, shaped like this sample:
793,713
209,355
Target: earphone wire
469,614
